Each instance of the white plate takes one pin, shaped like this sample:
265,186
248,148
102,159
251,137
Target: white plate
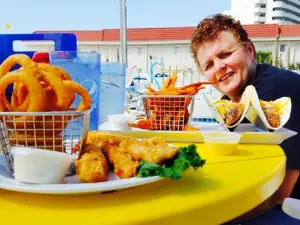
71,185
250,133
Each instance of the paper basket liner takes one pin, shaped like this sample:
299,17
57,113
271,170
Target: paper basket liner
255,104
246,100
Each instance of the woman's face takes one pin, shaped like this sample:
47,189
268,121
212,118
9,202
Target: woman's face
226,57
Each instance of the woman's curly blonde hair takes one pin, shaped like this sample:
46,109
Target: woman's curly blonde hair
209,28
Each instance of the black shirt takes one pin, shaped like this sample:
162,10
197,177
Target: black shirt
272,83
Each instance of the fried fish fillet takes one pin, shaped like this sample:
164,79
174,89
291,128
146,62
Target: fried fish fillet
154,150
124,165
271,113
229,111
125,152
92,166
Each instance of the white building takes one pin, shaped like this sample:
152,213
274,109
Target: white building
266,11
171,46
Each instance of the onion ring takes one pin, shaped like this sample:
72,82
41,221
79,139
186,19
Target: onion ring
86,101
48,125
22,93
14,96
39,141
21,59
20,99
63,74
24,61
59,98
63,97
35,89
39,87
37,93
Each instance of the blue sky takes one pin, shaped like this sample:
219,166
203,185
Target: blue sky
31,15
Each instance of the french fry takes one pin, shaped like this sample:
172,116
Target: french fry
150,91
190,128
171,91
168,112
170,82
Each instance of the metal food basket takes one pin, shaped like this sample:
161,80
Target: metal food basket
168,112
63,131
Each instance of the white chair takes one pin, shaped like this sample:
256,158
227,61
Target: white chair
291,207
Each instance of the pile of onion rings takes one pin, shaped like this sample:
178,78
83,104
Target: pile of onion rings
38,87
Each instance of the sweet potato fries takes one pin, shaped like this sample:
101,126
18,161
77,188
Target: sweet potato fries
168,108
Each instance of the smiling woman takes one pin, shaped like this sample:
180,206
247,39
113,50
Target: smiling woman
221,48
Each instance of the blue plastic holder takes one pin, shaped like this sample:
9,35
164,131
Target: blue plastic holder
112,99
62,42
84,68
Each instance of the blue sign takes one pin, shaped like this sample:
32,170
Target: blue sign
62,42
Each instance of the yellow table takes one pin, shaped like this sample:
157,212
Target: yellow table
223,189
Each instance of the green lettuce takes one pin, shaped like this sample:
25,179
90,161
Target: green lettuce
174,168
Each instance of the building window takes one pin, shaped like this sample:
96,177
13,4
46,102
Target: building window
118,55
286,19
289,2
282,48
286,11
176,49
263,6
139,51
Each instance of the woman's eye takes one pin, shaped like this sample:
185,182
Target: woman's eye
208,66
225,55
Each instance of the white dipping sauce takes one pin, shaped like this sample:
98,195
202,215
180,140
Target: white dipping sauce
40,166
120,121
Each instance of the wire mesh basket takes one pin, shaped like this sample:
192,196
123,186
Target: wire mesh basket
168,112
53,131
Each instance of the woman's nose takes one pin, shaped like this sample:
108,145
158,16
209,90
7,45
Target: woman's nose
220,66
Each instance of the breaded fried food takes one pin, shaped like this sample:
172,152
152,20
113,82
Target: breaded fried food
271,112
230,111
92,166
154,150
125,152
123,164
